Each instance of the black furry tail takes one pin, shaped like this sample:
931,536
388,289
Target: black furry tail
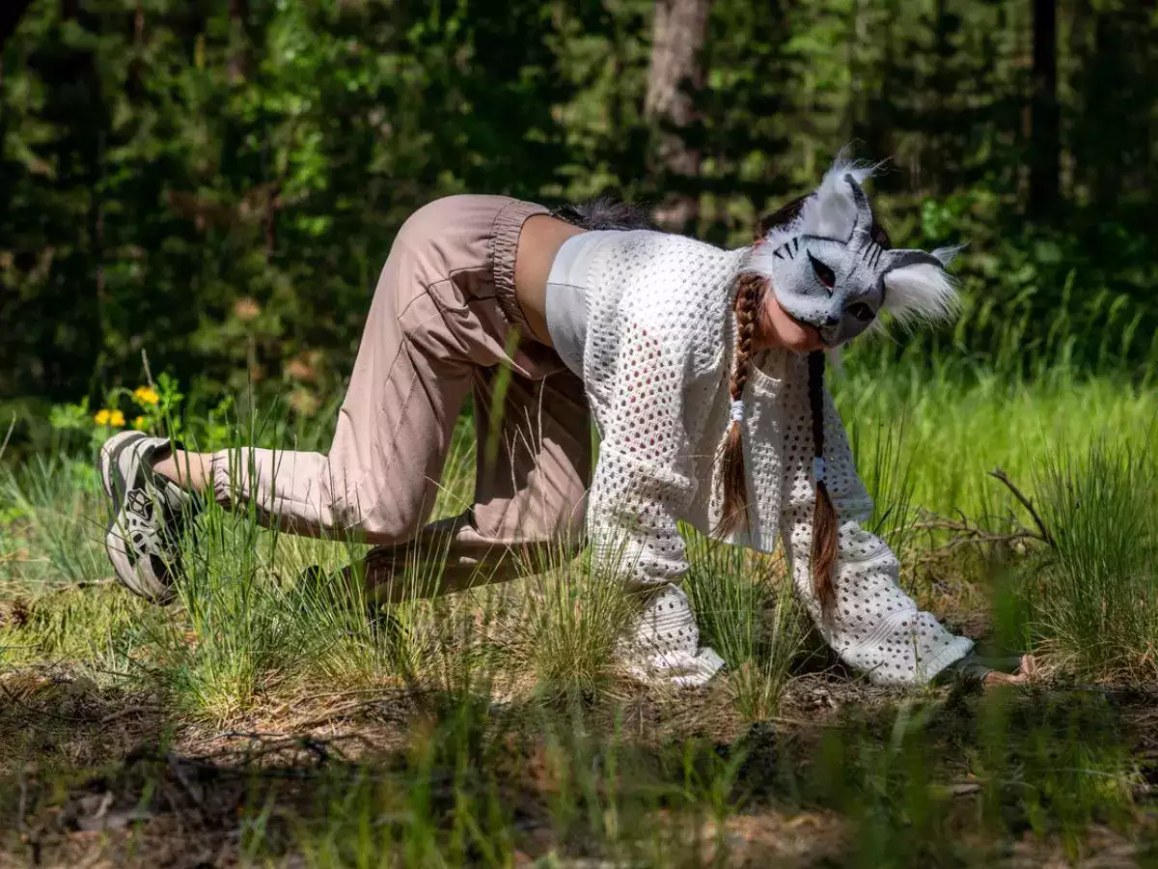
607,212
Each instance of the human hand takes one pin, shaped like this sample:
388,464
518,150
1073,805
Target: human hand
1025,673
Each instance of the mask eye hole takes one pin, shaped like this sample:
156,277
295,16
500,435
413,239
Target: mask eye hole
862,312
823,273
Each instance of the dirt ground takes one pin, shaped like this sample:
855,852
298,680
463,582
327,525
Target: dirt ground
100,778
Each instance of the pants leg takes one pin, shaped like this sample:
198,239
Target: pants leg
432,322
440,325
378,482
533,467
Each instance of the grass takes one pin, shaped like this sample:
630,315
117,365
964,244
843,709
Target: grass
1094,596
747,613
570,624
956,427
495,727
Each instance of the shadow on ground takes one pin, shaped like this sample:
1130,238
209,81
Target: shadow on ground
93,776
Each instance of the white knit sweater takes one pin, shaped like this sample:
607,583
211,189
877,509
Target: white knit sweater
657,361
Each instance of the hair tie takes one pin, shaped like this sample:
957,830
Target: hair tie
818,468
738,410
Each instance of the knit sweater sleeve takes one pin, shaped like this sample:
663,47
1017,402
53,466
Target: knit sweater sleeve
645,479
645,476
876,627
653,364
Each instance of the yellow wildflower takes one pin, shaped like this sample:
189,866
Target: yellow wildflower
101,417
146,395
117,419
140,423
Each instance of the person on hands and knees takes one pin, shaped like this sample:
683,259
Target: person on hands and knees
702,368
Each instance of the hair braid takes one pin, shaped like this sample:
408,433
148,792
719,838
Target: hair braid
824,520
750,290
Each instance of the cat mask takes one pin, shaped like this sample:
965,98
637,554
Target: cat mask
827,270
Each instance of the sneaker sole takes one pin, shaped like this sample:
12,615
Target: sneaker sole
115,487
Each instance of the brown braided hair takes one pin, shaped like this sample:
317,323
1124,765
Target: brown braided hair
750,290
750,293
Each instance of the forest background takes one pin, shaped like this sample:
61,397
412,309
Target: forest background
214,185
218,182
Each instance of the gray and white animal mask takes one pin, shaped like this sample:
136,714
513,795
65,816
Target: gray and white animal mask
827,271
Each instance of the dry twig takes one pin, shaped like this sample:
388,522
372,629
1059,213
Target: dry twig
1044,534
131,710
966,533
8,436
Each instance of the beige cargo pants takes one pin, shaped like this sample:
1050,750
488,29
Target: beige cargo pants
444,322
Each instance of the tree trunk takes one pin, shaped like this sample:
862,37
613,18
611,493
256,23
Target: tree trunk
11,11
237,66
674,76
1045,122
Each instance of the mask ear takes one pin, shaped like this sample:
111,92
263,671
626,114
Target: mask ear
921,292
947,254
831,211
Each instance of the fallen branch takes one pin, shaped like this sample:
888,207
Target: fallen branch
967,534
1045,536
264,746
131,710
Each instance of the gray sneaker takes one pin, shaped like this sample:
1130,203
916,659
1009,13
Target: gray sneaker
148,514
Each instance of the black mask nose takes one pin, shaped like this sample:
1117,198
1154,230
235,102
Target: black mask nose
832,320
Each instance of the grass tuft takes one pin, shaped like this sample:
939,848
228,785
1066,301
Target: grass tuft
1094,595
570,626
747,612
